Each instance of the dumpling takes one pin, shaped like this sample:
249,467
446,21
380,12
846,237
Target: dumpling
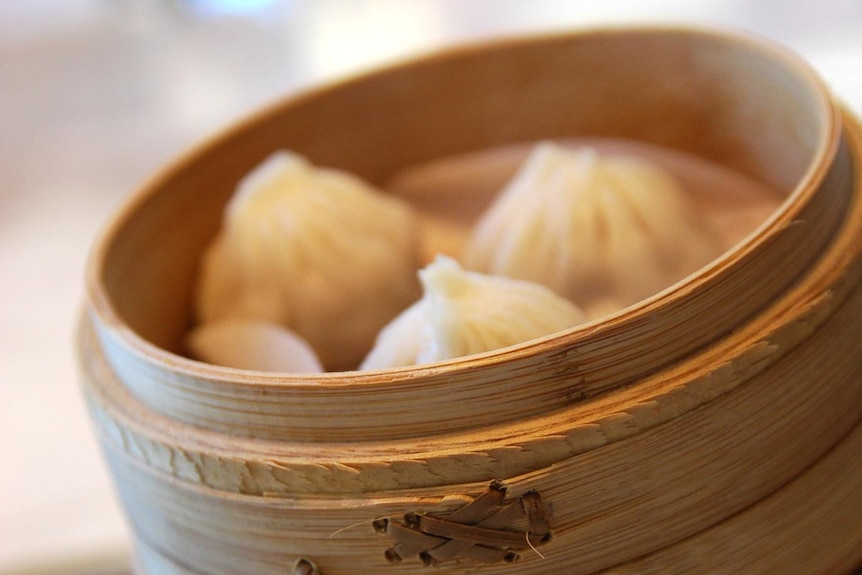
463,313
252,344
604,231
313,249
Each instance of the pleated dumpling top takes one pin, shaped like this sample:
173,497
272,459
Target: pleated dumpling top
463,313
602,230
316,250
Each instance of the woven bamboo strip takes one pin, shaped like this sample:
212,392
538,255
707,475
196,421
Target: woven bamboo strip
811,525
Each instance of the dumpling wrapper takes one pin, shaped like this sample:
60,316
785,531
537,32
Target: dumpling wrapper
313,249
463,313
602,231
252,344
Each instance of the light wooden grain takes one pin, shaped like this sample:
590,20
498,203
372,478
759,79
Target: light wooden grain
689,426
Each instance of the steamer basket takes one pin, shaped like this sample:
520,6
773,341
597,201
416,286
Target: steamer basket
713,428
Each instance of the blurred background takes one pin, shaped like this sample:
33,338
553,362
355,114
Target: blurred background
96,95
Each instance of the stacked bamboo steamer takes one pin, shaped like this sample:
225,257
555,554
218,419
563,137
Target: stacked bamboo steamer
712,428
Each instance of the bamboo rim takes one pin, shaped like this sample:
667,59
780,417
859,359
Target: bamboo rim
539,442
578,364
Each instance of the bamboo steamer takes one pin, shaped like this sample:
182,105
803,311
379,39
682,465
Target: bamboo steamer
713,428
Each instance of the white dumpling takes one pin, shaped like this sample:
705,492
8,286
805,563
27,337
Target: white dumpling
463,313
316,250
603,231
252,344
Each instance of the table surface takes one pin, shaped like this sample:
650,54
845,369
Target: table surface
95,95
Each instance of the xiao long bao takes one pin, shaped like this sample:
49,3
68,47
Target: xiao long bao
252,344
463,313
313,249
604,230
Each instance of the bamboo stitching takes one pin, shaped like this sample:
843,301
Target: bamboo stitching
480,531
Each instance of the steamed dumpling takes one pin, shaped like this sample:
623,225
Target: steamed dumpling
463,313
603,231
252,344
315,250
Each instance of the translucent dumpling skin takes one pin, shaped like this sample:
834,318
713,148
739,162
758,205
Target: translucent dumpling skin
315,250
603,231
252,344
463,313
